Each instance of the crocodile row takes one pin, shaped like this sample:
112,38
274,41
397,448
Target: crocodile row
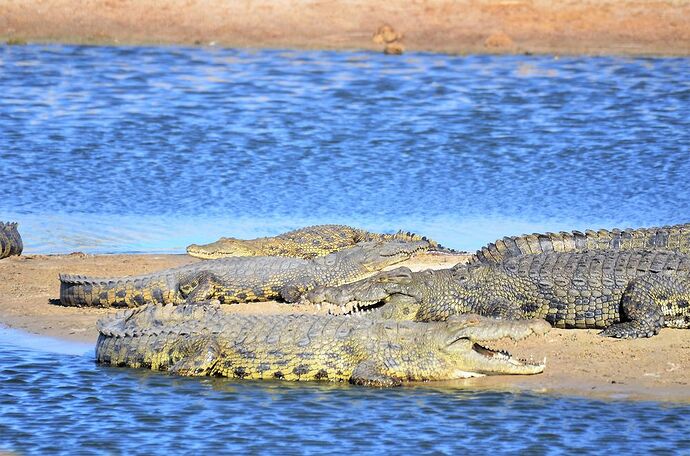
628,293
203,340
673,237
308,242
323,239
10,240
237,279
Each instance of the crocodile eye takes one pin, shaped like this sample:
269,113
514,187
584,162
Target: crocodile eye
460,277
329,260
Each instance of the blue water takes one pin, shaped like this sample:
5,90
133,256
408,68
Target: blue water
115,149
118,149
60,402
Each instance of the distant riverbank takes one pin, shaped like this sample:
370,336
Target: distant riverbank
578,362
622,27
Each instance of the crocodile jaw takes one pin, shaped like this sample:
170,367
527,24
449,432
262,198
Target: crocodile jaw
468,329
392,252
469,359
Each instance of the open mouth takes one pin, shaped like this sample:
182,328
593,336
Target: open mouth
406,252
351,307
355,307
504,356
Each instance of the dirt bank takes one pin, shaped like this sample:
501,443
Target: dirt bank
660,27
578,361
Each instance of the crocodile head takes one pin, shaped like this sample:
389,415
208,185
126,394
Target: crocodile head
401,294
224,247
459,342
374,255
392,292
454,349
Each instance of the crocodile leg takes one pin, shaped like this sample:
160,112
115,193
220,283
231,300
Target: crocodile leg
295,290
202,362
648,303
200,288
369,373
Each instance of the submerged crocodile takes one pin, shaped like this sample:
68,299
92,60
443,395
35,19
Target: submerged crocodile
10,240
629,293
203,340
237,279
673,237
308,242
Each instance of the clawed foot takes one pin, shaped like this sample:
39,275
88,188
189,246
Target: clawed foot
629,330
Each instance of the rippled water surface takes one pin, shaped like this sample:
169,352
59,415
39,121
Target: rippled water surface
61,402
111,149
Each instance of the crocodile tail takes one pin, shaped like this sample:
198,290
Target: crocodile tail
127,337
674,237
199,318
10,240
116,344
83,291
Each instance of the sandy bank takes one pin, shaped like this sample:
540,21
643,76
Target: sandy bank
578,361
453,26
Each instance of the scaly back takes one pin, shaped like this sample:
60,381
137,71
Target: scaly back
674,237
581,267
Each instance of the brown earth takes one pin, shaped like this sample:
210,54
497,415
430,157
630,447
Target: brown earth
632,27
578,361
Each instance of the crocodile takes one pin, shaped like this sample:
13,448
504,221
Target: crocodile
308,242
10,240
204,340
237,279
628,294
672,237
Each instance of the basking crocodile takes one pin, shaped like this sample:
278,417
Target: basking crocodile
629,293
10,240
203,340
308,242
237,279
673,237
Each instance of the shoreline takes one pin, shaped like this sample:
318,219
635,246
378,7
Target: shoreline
579,362
590,27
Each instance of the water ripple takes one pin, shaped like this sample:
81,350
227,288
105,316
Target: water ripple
269,138
58,403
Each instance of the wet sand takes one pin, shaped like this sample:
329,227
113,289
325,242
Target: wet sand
629,27
578,361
